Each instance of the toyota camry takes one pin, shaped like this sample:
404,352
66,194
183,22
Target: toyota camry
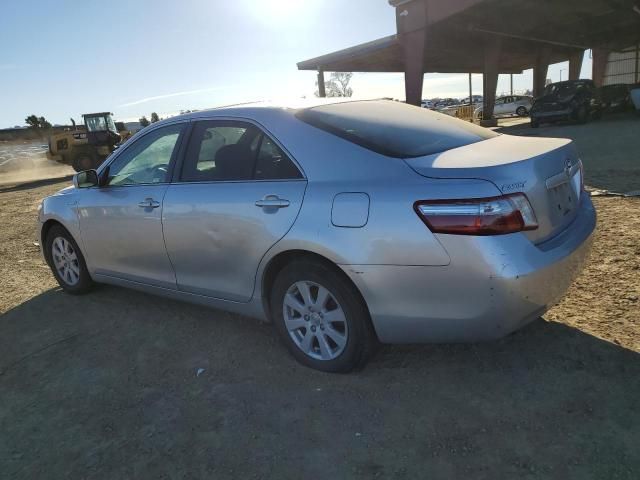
345,224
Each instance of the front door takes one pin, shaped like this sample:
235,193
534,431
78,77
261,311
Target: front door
237,194
121,223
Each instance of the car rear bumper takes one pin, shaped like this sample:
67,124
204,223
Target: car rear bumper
493,286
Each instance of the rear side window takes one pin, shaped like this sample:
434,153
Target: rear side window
227,150
394,129
272,163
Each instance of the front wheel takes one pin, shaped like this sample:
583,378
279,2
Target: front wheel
321,317
521,111
67,262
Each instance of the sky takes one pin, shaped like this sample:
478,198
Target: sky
60,59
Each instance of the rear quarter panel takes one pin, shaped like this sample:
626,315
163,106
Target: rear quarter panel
393,233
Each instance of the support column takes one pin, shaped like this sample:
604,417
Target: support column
321,90
490,74
575,65
413,44
600,58
540,71
637,75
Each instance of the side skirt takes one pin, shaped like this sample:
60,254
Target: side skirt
253,308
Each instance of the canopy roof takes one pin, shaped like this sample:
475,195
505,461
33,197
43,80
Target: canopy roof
456,32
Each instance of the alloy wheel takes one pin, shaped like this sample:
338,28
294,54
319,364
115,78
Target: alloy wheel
65,260
315,320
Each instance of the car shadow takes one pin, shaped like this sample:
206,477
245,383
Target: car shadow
118,382
34,184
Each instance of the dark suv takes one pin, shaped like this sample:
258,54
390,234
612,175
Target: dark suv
577,100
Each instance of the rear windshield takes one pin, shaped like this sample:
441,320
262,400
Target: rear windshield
393,128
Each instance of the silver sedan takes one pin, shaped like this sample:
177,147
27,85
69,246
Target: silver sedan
345,224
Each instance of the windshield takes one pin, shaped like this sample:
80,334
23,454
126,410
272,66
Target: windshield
393,128
100,124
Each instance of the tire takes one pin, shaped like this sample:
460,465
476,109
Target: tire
348,340
582,114
535,123
522,111
84,161
66,261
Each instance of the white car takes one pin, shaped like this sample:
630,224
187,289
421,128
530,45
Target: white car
509,105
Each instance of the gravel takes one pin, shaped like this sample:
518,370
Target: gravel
119,384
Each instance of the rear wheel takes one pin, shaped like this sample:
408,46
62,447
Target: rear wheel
67,262
321,317
522,111
84,161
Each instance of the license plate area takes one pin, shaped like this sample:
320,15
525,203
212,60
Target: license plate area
564,198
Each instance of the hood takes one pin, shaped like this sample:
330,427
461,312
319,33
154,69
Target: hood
66,190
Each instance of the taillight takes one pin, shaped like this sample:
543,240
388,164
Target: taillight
478,216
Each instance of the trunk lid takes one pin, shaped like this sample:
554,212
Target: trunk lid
547,170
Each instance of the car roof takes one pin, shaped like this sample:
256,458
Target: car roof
573,82
262,108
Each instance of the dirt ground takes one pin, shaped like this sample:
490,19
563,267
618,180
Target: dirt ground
24,161
106,385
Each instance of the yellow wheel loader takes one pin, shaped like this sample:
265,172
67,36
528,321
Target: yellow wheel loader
85,148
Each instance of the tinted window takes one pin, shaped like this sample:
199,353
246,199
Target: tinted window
222,150
273,164
394,128
147,159
566,88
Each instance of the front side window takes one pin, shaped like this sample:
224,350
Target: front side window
234,151
96,124
147,159
111,125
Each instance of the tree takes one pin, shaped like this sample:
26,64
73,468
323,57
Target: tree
154,117
144,121
337,85
37,122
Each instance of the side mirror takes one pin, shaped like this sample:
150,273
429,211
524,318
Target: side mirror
86,179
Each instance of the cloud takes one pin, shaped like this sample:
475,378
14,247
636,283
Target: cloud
169,95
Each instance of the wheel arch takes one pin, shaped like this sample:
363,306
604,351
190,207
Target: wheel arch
44,231
284,258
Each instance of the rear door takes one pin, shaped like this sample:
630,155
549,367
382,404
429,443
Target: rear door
236,194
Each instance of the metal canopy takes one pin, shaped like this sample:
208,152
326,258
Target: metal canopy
458,30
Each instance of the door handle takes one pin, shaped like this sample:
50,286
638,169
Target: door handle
272,201
149,203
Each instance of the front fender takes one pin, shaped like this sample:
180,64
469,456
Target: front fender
62,208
